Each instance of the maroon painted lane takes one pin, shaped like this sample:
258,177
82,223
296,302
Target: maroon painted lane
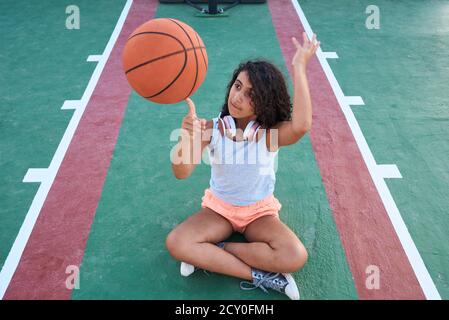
60,234
366,232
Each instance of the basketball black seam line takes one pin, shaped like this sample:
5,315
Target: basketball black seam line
202,54
174,80
183,67
153,32
162,57
196,58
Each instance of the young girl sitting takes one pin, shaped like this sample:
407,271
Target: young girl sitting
256,119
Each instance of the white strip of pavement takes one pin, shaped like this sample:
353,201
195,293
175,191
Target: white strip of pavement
354,101
94,58
421,272
330,55
389,171
21,240
36,175
71,104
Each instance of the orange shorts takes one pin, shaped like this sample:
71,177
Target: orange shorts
241,216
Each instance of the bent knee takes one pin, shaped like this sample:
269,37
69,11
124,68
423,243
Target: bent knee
175,243
292,258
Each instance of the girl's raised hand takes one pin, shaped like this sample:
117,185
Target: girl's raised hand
190,122
305,51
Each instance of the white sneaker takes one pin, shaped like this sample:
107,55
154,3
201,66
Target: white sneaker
187,269
291,290
281,282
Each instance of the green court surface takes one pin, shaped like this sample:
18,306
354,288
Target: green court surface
401,70
42,64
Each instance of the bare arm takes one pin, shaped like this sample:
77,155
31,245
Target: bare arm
290,132
194,137
302,103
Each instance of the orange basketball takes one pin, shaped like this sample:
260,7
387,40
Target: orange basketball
165,60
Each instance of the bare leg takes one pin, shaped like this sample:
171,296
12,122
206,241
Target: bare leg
193,241
272,247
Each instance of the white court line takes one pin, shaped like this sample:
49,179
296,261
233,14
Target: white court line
353,101
388,171
94,58
36,175
49,174
71,104
330,55
421,272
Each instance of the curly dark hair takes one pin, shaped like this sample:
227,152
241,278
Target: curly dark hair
271,100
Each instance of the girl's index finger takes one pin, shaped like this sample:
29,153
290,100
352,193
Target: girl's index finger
191,105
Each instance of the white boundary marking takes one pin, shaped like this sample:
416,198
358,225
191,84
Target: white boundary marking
36,175
94,58
421,272
71,104
354,101
47,175
330,55
389,171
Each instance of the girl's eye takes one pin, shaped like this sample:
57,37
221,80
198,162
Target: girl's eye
237,85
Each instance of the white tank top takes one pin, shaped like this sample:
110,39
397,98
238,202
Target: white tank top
242,172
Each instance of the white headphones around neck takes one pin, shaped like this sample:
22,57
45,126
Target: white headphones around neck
231,130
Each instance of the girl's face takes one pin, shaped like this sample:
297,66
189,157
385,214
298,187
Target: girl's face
240,102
